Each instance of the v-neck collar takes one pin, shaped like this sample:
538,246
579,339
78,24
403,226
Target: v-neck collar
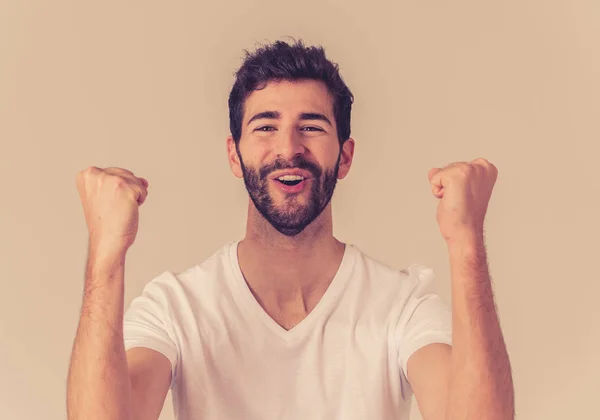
297,331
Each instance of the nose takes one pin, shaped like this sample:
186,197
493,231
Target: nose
289,144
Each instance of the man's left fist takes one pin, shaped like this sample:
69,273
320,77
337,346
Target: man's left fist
464,190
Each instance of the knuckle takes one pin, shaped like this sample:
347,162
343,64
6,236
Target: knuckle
120,182
486,164
92,172
465,170
113,180
87,173
123,171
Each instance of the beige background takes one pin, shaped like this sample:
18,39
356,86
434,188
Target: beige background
144,85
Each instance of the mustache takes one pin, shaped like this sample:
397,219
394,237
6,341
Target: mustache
298,162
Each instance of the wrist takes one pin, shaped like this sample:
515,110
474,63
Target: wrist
103,256
470,242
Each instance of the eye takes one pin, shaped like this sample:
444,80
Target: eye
312,129
265,128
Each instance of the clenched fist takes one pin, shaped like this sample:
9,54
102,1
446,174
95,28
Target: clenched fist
464,190
111,198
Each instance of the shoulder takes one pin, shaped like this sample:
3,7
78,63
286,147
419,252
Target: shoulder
405,279
178,285
388,289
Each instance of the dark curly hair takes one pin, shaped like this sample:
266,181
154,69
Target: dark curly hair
281,61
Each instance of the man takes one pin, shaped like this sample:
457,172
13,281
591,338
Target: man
289,322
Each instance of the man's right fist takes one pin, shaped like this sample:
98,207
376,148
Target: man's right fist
111,198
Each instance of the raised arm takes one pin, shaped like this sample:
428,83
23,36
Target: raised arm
105,382
473,379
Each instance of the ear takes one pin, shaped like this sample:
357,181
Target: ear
346,158
233,158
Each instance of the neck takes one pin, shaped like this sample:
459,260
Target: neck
289,266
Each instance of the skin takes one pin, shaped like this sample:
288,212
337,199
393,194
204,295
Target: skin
104,381
473,378
289,274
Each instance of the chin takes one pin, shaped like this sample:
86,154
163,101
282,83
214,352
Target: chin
292,207
290,232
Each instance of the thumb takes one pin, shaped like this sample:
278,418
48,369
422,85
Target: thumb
432,172
435,181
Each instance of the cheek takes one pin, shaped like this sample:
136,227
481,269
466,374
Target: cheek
325,151
257,148
252,154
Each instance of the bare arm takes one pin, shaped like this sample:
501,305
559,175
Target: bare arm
98,384
104,382
472,379
481,383
150,376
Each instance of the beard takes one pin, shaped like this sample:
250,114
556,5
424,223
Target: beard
292,216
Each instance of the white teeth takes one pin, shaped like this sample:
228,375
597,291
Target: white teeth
290,178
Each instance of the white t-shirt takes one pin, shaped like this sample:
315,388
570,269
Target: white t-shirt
346,360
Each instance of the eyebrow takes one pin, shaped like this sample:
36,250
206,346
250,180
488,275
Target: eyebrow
275,115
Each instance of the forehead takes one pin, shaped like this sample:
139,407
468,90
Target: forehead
290,97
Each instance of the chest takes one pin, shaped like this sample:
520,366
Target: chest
290,312
336,370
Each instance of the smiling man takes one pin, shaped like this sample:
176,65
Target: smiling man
289,322
292,155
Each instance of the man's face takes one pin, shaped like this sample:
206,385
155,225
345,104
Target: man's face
289,153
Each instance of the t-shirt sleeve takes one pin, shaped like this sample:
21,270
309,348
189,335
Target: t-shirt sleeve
147,322
425,318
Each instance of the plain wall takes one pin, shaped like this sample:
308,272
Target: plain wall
144,85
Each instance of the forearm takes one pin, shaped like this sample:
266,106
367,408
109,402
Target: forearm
481,384
98,385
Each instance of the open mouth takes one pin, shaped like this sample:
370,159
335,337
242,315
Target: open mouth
290,180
